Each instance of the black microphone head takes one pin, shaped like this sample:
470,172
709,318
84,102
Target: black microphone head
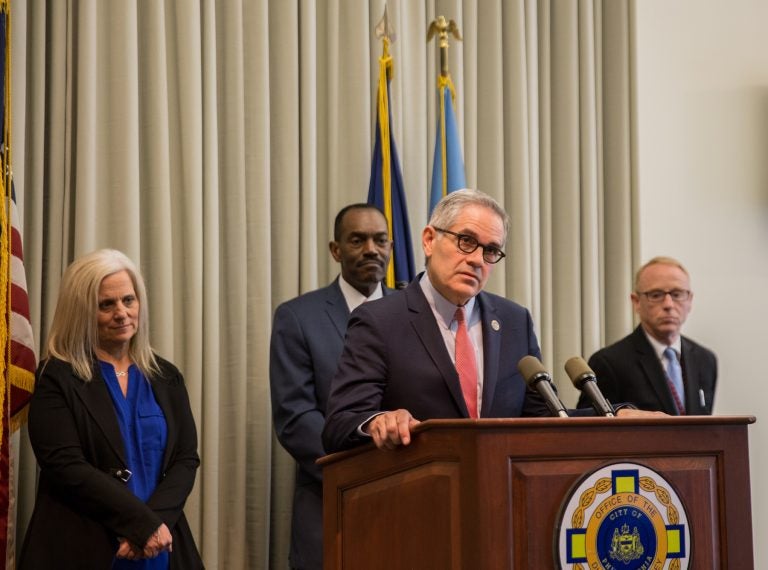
578,371
532,369
584,379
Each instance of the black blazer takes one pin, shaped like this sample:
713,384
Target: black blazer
82,504
630,371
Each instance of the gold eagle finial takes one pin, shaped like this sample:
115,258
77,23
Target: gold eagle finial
442,28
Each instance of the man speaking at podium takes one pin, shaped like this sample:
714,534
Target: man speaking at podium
442,347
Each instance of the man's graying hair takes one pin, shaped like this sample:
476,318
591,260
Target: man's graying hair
449,208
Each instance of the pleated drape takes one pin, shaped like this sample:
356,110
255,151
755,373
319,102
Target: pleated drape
214,142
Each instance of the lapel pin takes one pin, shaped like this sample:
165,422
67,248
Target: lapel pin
495,325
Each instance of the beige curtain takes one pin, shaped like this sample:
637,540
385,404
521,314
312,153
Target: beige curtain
214,142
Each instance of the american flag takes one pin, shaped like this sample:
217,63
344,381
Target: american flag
17,366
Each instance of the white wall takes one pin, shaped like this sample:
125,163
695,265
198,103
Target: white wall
702,123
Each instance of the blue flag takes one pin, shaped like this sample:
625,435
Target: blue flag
448,164
386,187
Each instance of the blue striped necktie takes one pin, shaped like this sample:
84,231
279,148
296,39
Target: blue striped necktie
675,379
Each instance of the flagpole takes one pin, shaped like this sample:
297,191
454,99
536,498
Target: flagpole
442,28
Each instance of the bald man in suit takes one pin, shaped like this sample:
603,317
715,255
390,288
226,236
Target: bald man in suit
307,339
635,369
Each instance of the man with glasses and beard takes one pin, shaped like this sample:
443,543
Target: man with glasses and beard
655,367
307,339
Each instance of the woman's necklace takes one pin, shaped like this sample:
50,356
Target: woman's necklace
121,374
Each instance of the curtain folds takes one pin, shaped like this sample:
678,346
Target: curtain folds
214,142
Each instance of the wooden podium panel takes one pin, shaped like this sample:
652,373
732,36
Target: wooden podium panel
488,493
429,494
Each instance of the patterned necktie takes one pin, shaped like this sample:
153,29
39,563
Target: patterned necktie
466,365
675,379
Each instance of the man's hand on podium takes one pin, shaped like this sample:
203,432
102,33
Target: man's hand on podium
391,429
635,413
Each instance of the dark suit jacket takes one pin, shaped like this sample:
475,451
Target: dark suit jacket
630,371
395,357
307,339
82,506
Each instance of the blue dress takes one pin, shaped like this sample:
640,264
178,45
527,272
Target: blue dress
145,433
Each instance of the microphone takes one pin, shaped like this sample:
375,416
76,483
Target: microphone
585,380
537,377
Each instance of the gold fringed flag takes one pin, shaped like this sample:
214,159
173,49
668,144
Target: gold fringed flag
386,189
17,367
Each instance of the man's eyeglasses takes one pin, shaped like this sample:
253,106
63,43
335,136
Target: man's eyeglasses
658,295
468,244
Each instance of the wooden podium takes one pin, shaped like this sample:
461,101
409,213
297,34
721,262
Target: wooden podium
487,494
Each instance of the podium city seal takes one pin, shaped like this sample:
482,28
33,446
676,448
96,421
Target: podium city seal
623,516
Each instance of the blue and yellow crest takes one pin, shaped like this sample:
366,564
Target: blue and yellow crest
623,516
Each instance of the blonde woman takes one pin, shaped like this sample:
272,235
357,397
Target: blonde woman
112,430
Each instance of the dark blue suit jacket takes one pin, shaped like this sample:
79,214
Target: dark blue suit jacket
629,371
307,339
395,357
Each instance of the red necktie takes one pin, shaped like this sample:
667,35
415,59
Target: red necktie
465,363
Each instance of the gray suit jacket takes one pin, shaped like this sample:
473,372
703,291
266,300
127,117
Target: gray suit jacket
630,371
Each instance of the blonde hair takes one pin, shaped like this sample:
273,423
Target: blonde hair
659,260
74,333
